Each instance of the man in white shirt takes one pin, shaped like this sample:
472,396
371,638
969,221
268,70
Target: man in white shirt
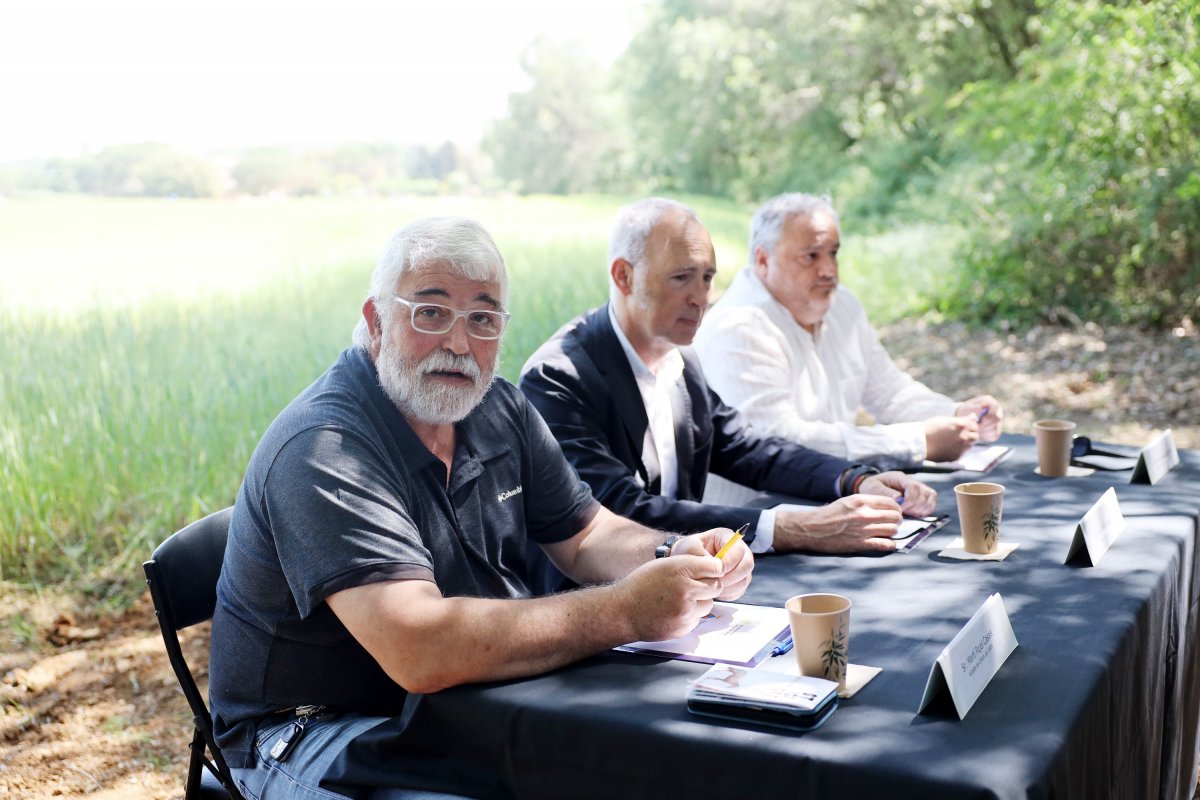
628,402
794,353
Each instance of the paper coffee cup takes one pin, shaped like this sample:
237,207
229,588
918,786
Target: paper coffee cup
979,508
821,635
1054,437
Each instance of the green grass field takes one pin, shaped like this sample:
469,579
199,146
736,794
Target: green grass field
146,344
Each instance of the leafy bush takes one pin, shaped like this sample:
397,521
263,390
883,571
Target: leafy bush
1089,204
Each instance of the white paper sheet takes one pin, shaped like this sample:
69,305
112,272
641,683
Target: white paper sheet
733,634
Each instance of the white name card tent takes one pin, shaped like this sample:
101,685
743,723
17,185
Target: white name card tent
1156,459
1098,529
972,658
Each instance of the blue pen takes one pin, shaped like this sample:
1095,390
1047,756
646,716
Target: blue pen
982,413
786,647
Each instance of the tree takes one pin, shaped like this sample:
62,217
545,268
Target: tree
54,175
563,134
432,162
752,97
893,64
373,164
709,92
166,172
263,170
149,168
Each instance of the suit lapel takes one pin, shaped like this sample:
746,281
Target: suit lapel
681,411
610,360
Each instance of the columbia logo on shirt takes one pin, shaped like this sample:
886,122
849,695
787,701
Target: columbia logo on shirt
510,493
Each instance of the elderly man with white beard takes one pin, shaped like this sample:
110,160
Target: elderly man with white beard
378,547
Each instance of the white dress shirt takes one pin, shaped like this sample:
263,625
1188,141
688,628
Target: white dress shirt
658,449
808,388
659,453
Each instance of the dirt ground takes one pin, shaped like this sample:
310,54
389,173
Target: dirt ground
88,703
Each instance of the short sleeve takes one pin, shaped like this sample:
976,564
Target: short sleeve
557,503
339,518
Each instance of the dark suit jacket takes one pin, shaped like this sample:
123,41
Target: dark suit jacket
581,383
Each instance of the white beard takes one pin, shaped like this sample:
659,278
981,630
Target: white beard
435,404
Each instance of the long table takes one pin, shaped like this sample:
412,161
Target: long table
1100,699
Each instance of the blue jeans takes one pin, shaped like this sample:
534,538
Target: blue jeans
300,776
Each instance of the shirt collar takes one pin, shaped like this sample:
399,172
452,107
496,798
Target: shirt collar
760,294
669,368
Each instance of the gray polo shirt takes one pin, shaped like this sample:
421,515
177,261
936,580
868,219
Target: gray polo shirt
341,493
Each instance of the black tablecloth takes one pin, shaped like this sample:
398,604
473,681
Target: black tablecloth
1101,698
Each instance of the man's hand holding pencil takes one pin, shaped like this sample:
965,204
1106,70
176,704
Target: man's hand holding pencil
735,555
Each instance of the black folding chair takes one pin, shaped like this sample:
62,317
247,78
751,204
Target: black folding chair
182,575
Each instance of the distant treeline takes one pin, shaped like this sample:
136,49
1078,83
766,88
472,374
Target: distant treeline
1062,137
154,169
1058,139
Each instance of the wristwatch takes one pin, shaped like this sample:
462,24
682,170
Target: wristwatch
664,549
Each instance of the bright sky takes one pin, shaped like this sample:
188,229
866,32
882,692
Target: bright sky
77,75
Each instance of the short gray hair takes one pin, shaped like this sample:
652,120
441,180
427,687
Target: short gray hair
634,223
768,222
459,241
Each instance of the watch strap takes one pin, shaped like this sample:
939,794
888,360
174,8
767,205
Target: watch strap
852,477
664,549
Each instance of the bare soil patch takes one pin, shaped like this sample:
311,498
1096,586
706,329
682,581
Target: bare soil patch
1117,384
89,705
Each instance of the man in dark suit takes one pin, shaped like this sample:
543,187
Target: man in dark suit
629,404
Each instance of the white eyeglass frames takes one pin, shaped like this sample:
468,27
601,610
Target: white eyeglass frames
435,318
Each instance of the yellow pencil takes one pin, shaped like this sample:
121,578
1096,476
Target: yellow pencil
737,537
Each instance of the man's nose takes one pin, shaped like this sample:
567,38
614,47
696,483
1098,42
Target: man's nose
457,340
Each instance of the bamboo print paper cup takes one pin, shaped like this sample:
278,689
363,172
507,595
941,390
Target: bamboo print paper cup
821,633
1054,438
979,509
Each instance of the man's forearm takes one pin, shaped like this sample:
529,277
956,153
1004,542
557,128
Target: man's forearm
426,642
611,548
500,639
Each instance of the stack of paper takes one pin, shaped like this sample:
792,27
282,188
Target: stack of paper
978,458
763,697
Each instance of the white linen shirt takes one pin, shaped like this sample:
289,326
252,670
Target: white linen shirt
807,388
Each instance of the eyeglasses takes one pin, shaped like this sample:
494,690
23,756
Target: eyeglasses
434,318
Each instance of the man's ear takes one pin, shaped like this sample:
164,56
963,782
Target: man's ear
760,262
374,325
622,275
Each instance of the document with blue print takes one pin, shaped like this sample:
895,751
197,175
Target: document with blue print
733,633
